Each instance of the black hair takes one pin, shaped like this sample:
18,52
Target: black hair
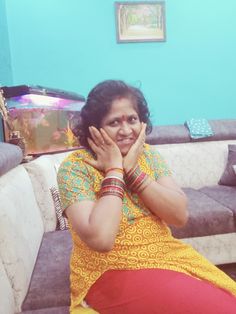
99,102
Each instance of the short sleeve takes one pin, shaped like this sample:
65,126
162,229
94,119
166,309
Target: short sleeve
75,182
160,166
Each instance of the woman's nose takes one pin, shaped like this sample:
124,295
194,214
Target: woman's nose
125,129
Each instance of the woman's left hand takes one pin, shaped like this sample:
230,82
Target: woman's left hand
131,159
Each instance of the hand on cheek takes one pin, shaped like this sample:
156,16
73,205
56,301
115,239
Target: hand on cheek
131,159
107,152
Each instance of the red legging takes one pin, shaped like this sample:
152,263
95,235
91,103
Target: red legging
157,291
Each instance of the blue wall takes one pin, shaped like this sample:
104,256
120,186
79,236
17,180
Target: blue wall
72,45
5,58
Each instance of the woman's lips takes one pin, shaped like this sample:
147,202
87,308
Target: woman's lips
125,141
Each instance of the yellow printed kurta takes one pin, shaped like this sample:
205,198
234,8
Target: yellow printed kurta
143,241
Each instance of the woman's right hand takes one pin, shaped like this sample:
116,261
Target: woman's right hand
131,159
107,152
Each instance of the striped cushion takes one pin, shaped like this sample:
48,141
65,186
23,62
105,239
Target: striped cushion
62,221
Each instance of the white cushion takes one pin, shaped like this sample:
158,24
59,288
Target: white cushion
196,164
43,174
7,305
21,230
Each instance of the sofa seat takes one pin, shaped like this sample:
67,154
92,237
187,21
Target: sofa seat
225,195
207,216
49,286
49,290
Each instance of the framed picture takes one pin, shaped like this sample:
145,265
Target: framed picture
140,21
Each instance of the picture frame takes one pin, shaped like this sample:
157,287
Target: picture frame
140,21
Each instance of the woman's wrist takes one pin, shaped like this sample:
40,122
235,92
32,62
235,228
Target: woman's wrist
128,169
144,185
116,169
136,179
119,171
112,185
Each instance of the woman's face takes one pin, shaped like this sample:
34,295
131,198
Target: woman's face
122,124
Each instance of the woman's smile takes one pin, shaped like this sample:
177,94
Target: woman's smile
126,141
125,144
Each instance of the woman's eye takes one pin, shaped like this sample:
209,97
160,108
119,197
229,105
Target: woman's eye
114,123
133,119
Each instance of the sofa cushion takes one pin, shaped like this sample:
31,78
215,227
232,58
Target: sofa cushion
50,285
195,165
62,222
229,177
225,195
199,128
206,217
21,230
229,269
10,156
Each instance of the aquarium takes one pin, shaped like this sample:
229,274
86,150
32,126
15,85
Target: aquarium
43,118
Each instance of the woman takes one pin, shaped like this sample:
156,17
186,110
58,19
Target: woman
119,197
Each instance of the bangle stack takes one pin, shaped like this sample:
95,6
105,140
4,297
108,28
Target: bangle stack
136,180
112,185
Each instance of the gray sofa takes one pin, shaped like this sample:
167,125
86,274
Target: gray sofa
34,255
211,202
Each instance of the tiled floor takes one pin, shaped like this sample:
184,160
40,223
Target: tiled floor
229,269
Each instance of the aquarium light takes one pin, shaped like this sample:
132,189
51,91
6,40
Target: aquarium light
20,90
38,100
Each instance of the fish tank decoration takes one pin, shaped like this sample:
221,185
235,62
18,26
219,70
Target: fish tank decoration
14,136
43,117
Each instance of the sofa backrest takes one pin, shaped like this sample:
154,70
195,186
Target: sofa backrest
223,130
196,164
21,230
193,165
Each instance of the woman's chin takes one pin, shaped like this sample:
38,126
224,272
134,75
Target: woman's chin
124,150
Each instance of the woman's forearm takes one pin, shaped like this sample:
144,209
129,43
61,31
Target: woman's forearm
169,204
104,221
97,223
